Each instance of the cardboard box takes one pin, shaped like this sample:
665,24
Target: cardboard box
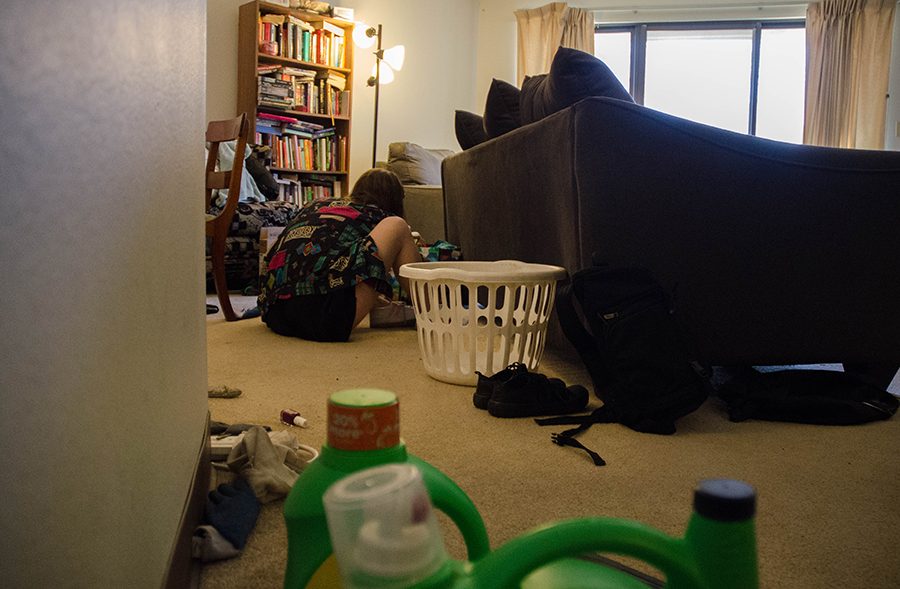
267,238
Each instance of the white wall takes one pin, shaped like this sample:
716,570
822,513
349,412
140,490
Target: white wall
103,349
221,58
437,76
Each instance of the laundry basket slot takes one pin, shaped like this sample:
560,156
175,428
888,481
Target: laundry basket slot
480,316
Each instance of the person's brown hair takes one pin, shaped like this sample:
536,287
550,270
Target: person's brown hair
379,187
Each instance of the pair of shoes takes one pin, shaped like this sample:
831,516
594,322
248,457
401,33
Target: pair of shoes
486,386
515,392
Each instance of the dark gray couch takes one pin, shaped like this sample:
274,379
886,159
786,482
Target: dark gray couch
780,253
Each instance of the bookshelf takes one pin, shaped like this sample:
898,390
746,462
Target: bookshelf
295,73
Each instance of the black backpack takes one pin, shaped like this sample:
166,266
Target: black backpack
633,349
821,397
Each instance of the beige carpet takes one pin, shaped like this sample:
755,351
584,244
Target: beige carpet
829,497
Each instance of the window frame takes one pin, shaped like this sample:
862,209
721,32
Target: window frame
639,49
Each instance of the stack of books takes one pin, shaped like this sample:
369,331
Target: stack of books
266,69
276,92
303,128
334,98
272,124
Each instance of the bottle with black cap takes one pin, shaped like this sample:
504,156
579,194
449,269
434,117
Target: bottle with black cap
722,533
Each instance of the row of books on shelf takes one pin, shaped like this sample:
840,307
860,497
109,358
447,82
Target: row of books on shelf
303,90
300,146
281,124
307,188
318,42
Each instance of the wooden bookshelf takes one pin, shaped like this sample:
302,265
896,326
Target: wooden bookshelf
315,98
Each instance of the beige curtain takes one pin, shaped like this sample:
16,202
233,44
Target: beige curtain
578,30
848,53
542,30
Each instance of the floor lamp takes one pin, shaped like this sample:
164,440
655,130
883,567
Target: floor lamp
387,61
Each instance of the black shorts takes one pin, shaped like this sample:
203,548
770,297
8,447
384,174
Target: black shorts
318,317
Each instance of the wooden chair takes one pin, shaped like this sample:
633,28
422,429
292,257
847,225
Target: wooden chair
217,226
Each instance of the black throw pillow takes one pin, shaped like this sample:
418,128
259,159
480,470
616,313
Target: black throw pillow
501,111
574,75
256,166
469,129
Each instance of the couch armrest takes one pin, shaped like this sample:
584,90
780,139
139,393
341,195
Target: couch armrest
514,197
424,210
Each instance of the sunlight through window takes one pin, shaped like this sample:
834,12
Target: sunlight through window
704,71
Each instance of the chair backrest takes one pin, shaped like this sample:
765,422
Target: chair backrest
238,130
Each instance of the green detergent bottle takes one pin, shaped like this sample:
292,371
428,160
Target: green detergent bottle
385,536
363,432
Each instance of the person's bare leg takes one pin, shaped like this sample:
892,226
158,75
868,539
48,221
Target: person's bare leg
366,300
396,247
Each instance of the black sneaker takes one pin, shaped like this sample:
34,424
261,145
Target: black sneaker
533,394
486,386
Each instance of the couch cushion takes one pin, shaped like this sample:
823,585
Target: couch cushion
415,164
241,261
249,217
501,110
574,75
469,129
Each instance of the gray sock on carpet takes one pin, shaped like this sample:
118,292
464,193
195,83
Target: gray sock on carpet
208,545
271,470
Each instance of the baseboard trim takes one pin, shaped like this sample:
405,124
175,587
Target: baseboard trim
183,570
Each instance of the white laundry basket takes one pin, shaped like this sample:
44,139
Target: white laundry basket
480,316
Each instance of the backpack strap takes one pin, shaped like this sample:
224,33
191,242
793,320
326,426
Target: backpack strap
567,438
561,440
580,338
571,325
583,342
602,414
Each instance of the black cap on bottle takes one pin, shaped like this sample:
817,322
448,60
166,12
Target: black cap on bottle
725,500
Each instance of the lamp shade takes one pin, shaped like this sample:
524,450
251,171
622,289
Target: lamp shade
364,35
385,74
394,57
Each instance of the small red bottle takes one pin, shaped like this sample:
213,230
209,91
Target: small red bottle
291,417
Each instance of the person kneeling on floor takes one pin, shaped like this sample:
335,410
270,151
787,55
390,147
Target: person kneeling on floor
330,264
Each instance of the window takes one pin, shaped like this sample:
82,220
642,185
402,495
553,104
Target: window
782,78
745,76
617,54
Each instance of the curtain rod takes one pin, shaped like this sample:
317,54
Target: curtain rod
696,7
